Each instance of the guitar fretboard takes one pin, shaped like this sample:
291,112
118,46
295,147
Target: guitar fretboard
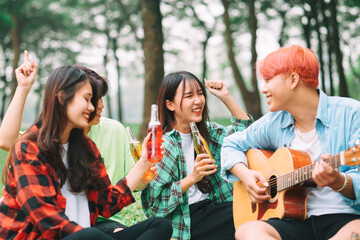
302,174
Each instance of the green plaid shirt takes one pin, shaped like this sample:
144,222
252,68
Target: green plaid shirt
163,196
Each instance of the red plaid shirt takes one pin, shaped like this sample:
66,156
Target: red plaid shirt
32,207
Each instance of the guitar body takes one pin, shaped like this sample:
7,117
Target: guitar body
290,203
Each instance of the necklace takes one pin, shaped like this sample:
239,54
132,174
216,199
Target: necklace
304,140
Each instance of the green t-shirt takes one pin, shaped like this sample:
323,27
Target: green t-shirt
112,141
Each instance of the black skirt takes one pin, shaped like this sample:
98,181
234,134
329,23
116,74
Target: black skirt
210,220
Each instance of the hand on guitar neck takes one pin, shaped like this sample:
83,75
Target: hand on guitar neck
324,175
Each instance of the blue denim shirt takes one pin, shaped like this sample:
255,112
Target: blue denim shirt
337,125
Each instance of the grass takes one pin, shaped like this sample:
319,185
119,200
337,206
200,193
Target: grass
3,155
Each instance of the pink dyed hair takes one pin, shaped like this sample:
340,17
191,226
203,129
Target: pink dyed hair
287,60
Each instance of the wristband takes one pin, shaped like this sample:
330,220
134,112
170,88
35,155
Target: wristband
344,185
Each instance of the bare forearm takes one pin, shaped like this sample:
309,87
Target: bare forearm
238,170
348,191
134,176
141,186
10,126
186,183
234,108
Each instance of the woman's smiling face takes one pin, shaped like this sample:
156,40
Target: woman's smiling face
188,103
80,107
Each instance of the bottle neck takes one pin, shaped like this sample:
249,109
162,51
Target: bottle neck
154,119
193,127
131,134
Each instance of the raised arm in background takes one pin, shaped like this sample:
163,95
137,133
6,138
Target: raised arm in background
10,126
218,89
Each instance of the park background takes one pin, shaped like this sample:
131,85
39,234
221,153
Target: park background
133,43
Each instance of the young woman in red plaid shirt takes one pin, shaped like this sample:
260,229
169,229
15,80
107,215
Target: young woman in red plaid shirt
54,159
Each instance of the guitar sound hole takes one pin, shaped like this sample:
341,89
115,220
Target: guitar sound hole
273,186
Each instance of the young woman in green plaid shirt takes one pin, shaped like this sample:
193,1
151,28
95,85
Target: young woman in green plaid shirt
189,191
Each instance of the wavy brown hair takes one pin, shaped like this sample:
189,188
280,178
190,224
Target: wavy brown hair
82,173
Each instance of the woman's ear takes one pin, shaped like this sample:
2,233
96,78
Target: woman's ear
60,96
169,105
295,79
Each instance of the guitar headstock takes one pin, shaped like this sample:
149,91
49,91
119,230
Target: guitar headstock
351,156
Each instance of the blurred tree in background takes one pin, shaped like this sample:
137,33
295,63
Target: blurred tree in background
37,25
132,43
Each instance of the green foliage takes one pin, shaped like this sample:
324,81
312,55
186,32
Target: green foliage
3,155
134,213
44,30
353,80
5,19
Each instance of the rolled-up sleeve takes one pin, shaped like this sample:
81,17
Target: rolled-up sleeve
236,145
231,155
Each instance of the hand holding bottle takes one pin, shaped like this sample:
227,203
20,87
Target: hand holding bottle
137,151
200,145
203,166
137,172
144,160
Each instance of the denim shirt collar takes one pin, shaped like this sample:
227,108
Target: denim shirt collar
322,111
321,114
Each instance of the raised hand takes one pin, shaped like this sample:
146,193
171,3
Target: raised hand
217,88
10,126
26,72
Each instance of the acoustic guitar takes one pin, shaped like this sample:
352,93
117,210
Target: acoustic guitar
284,170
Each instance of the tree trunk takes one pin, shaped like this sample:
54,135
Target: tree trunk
251,98
208,35
253,27
307,28
282,34
15,33
154,59
343,91
106,60
4,80
329,43
39,92
314,14
118,69
204,62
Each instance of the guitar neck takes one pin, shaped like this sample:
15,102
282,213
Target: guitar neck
305,173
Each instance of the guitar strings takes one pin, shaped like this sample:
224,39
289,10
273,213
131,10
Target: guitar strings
334,160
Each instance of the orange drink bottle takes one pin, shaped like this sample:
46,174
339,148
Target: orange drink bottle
154,144
200,145
135,150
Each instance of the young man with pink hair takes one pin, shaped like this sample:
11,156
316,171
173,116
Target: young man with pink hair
301,117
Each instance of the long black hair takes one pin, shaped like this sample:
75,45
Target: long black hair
168,87
167,91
